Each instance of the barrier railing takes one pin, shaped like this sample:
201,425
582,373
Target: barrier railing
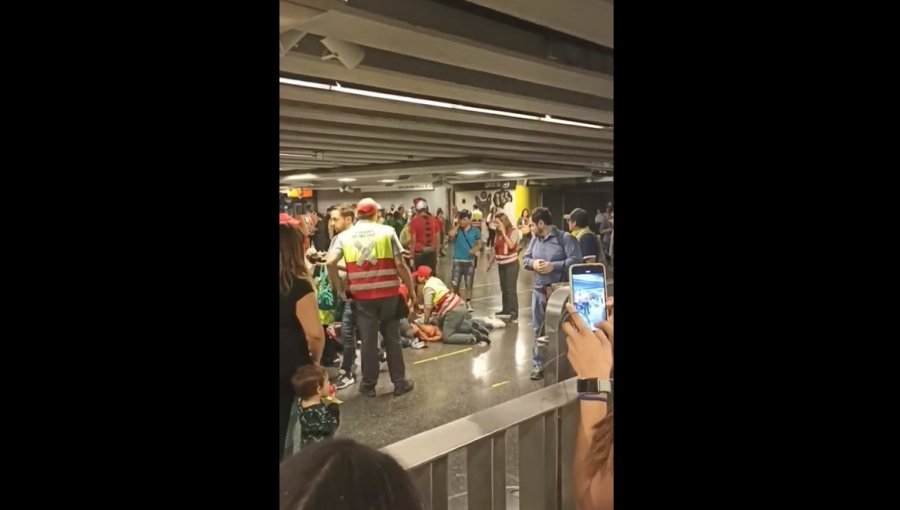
546,420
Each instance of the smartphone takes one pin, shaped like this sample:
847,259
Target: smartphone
588,292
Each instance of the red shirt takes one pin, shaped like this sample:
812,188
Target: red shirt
424,228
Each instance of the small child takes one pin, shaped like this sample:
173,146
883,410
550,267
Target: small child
319,412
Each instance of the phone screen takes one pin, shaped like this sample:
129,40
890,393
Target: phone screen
588,285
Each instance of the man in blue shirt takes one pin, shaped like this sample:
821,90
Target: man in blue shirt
550,254
466,241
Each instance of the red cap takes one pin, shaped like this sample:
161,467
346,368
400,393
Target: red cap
423,272
367,207
287,219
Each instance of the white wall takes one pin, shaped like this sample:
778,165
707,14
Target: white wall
435,198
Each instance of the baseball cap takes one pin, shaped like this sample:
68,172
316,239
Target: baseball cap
421,205
422,272
578,215
287,219
367,207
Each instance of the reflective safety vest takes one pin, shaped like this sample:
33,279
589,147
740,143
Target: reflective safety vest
444,300
369,255
579,233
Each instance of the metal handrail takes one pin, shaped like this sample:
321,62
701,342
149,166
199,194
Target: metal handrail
546,420
440,441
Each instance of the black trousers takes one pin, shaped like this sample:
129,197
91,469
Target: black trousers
427,259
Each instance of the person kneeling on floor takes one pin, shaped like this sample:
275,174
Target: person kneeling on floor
444,304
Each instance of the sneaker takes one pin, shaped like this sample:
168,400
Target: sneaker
513,320
344,380
481,338
418,344
503,315
368,391
401,388
537,374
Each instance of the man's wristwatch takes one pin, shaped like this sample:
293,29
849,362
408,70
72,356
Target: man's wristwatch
593,386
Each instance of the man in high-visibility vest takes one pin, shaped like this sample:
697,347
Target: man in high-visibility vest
372,254
448,311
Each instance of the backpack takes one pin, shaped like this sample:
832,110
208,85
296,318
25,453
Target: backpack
325,299
405,239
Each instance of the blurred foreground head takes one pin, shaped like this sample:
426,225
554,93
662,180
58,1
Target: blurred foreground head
341,474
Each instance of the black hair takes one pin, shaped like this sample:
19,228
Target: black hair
580,217
317,478
541,214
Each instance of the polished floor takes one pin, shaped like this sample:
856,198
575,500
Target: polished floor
452,381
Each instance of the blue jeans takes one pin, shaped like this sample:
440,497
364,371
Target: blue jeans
538,310
348,336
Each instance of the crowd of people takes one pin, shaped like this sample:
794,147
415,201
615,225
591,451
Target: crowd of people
376,287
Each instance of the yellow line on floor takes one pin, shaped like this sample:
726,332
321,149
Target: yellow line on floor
499,384
442,356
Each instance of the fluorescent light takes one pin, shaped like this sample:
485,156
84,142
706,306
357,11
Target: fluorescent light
547,118
496,112
346,179
513,174
387,180
307,84
392,97
337,87
286,155
472,172
301,177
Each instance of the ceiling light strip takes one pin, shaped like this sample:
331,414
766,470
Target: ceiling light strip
337,87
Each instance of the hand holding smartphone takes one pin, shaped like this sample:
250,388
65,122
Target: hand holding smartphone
588,292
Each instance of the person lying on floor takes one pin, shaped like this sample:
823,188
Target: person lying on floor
408,333
450,317
427,333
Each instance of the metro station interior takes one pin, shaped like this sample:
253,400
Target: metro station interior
503,105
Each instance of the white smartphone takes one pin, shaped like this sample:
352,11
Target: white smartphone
588,292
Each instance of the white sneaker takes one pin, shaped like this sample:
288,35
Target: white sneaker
418,344
344,380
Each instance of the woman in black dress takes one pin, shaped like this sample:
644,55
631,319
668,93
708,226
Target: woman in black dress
301,337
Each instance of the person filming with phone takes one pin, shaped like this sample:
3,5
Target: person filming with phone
466,241
590,352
